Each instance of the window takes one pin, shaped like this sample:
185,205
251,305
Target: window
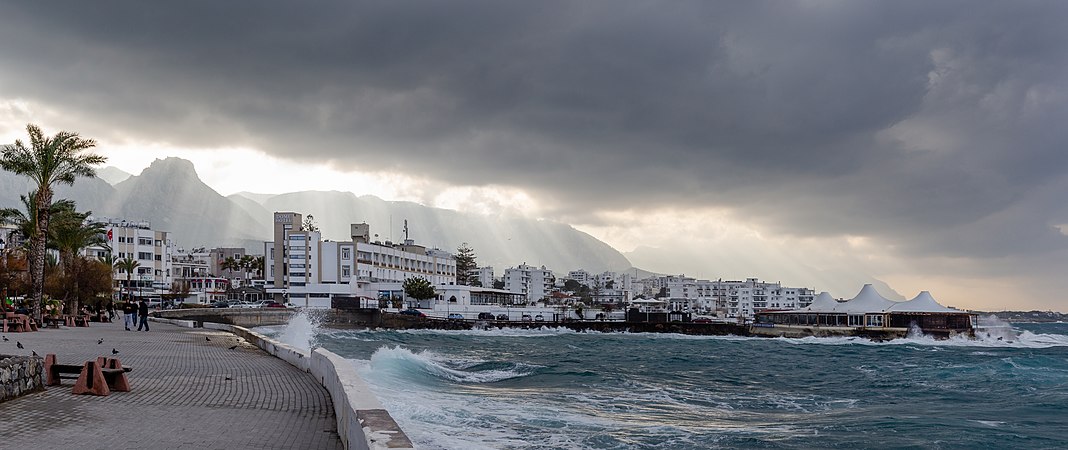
144,241
346,271
345,254
875,320
144,255
159,257
159,243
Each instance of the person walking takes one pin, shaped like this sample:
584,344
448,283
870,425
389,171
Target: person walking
142,310
129,310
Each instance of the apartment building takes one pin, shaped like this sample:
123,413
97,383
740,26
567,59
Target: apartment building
535,283
485,276
152,249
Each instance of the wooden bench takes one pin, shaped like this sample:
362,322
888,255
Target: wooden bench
98,377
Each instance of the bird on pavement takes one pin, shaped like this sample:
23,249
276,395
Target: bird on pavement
231,348
114,352
207,338
6,339
101,341
228,378
19,344
35,353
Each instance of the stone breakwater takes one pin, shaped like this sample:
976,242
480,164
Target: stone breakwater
20,375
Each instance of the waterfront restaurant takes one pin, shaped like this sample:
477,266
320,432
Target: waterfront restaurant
869,310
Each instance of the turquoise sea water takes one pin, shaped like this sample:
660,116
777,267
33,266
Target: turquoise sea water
561,389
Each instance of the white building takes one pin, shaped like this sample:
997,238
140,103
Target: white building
485,276
581,276
308,271
536,284
152,249
746,298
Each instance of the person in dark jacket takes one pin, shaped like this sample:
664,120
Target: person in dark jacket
129,310
142,310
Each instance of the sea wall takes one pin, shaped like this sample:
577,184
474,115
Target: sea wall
361,419
362,422
244,317
20,375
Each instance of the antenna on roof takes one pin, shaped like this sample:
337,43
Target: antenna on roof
406,230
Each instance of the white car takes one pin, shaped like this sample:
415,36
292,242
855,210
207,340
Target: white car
242,305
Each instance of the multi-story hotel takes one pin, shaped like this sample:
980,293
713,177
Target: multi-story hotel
536,284
152,249
307,271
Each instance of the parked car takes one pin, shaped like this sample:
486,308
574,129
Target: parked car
242,305
502,316
539,318
220,305
271,304
485,316
455,316
526,317
413,312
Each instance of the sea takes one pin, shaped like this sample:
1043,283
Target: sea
551,388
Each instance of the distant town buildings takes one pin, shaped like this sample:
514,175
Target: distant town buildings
303,269
309,271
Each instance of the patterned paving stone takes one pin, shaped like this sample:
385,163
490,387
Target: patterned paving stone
188,390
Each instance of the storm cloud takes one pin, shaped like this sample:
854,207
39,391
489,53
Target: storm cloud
935,126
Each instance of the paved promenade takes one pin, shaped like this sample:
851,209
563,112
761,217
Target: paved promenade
186,393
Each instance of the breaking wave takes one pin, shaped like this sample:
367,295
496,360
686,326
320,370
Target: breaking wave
399,363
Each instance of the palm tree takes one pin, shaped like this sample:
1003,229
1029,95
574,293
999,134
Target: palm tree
257,266
71,234
229,265
48,161
247,263
128,265
24,220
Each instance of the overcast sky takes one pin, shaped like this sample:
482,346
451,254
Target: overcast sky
922,142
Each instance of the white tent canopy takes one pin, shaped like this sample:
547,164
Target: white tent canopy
823,303
921,303
869,301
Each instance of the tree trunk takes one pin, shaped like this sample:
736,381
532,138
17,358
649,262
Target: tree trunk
43,200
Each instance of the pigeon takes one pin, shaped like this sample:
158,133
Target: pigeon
6,339
35,353
228,378
231,348
207,338
19,344
101,341
114,352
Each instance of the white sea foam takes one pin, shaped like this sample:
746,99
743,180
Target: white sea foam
499,332
399,360
300,331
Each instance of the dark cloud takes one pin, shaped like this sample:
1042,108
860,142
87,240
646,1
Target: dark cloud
937,127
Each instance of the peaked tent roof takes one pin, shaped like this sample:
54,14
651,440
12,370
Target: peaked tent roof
823,303
921,303
867,300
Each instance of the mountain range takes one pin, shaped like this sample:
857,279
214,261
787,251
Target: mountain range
171,196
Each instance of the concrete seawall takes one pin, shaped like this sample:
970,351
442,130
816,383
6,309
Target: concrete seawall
362,421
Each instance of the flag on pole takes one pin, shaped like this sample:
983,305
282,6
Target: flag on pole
109,234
